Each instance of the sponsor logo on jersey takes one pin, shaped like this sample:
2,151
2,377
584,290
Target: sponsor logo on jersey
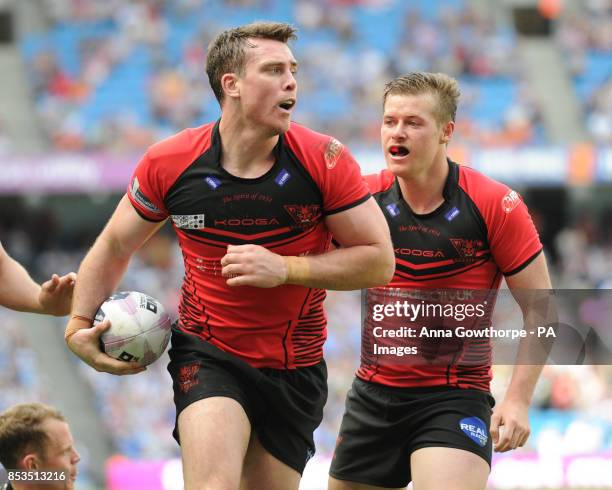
140,198
246,222
282,178
304,215
466,248
417,252
510,201
393,209
212,181
452,214
189,221
333,152
475,429
188,376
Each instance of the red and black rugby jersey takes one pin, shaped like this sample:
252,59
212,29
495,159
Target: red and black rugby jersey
283,210
481,231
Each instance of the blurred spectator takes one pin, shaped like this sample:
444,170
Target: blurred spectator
584,37
599,118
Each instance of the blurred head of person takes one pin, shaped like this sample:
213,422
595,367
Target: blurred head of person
252,73
419,112
36,437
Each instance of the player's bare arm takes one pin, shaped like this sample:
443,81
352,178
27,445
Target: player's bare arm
99,274
20,292
365,260
513,412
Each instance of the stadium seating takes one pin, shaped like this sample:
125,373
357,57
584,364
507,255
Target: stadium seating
106,64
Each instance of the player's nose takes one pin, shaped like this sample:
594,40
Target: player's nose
398,133
76,457
290,82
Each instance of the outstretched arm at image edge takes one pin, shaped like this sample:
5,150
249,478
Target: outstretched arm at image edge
18,291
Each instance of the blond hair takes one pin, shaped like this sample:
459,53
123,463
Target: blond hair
226,53
446,88
21,431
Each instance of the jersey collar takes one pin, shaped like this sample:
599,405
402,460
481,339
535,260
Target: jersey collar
450,187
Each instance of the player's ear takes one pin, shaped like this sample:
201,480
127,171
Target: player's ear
29,462
230,85
447,132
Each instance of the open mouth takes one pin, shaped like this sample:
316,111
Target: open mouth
398,151
287,105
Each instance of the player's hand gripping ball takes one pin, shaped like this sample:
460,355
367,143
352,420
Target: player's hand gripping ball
140,327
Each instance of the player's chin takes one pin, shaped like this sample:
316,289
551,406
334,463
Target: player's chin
281,125
275,128
396,166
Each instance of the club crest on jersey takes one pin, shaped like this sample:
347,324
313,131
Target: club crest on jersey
466,249
282,178
188,376
304,215
475,429
452,214
510,201
212,181
393,209
333,152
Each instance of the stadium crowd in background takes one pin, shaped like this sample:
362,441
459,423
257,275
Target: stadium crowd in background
129,47
585,38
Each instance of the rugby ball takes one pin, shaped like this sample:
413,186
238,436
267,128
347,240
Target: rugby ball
140,327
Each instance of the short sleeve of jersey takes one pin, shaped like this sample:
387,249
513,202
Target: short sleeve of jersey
144,191
343,186
379,182
331,166
513,238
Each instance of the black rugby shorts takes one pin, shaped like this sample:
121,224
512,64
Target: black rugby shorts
284,407
383,425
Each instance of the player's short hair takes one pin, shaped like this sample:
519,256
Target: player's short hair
21,431
445,87
226,53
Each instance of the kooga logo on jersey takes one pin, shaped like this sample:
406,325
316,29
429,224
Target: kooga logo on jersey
417,252
246,222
